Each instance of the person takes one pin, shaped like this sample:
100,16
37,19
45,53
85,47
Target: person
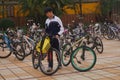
53,27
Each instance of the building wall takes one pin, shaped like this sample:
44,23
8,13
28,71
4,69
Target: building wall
87,8
12,11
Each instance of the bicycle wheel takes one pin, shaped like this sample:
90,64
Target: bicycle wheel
118,35
27,49
66,52
19,52
52,61
109,34
35,57
4,51
83,59
105,35
99,45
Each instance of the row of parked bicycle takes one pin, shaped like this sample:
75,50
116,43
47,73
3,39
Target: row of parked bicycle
77,46
111,31
108,29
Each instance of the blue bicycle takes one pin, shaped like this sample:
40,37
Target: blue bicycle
10,44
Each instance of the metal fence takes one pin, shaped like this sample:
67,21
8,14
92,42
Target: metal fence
67,19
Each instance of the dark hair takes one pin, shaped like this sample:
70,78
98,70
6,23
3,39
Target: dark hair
48,9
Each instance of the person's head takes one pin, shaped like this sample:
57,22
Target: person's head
49,12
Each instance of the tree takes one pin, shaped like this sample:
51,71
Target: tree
32,7
57,5
106,7
36,7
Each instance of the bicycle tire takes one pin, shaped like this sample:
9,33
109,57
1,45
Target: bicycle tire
65,55
3,52
20,54
99,44
35,57
75,53
105,35
111,35
43,70
118,36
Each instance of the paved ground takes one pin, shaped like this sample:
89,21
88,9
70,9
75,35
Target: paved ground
107,67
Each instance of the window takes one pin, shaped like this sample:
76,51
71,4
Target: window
10,10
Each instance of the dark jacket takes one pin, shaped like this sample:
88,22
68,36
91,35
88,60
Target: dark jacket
53,28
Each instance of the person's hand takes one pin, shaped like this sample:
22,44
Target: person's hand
42,33
57,36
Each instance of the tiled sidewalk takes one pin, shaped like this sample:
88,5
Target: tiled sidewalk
106,68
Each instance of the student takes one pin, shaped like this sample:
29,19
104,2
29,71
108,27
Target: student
54,27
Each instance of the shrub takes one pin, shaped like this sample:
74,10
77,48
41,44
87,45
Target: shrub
5,23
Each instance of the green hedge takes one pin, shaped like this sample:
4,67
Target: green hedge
5,23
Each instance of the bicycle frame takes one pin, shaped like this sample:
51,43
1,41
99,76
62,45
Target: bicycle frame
29,41
7,41
80,40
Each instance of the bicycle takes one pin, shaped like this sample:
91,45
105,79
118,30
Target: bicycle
10,45
69,55
41,59
95,43
116,31
112,32
29,41
93,40
28,44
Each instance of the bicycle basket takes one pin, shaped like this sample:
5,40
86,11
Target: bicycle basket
44,45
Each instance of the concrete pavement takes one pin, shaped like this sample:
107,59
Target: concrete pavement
106,68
